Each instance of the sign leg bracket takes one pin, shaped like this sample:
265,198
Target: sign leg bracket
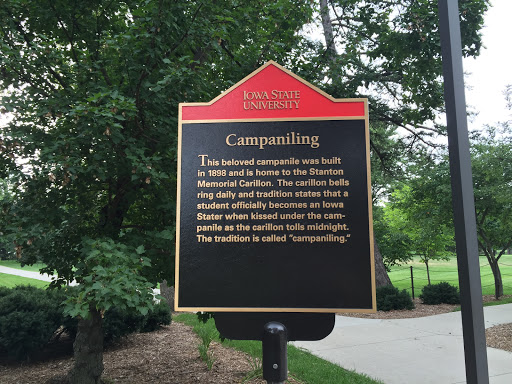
275,356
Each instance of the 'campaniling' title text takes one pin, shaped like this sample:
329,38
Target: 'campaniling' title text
292,138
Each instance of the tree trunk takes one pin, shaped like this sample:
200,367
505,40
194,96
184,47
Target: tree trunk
168,293
490,254
381,275
428,272
328,33
88,350
498,282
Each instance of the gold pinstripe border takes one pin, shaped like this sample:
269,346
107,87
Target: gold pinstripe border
334,118
275,310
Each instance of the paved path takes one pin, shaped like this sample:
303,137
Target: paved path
38,276
411,351
23,273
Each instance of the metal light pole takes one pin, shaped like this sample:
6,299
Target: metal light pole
473,326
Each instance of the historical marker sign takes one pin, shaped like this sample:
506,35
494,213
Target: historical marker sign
274,201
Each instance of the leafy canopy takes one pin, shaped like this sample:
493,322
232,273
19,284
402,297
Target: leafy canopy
93,88
389,51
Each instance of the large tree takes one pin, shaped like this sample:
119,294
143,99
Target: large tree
90,154
388,157
491,158
389,51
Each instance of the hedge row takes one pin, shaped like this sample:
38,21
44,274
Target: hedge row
389,297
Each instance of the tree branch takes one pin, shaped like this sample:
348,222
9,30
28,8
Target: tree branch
488,249
507,246
484,216
381,158
145,72
66,32
30,44
230,54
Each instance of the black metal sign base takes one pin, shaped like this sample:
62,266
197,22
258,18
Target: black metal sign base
274,330
250,326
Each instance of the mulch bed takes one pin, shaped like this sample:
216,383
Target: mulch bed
166,356
500,336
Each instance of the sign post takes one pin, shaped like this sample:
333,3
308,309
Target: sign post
274,230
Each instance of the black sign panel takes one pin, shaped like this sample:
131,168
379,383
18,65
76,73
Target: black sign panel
275,216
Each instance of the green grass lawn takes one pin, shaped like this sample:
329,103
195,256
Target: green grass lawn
15,264
447,271
302,365
10,281
506,300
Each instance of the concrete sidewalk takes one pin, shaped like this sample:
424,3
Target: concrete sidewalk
38,276
22,273
411,351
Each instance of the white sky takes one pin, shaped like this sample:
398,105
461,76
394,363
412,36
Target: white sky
489,73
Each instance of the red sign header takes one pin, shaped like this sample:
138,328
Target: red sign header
272,92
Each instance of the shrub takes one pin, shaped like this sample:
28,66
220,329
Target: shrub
389,298
440,293
28,319
4,291
118,323
160,315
